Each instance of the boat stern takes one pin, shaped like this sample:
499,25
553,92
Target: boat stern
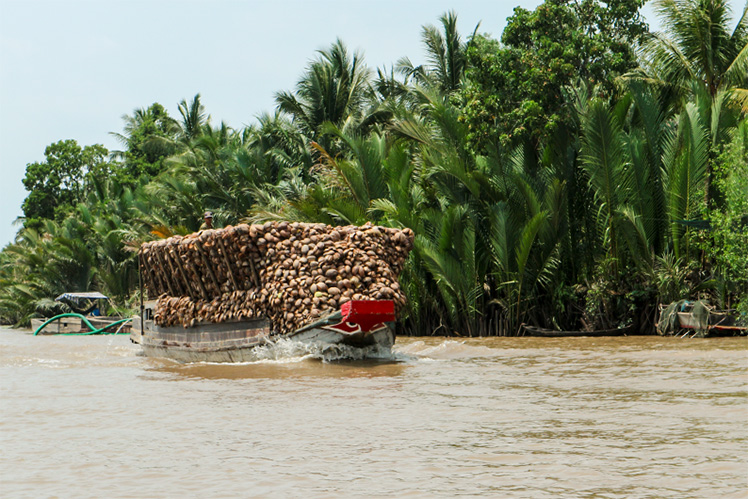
358,324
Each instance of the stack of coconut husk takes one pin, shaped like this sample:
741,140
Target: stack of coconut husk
291,273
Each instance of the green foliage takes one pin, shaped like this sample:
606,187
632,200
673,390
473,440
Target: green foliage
671,278
514,88
446,54
697,59
542,188
194,119
149,137
608,301
686,154
697,46
36,268
57,184
728,239
333,89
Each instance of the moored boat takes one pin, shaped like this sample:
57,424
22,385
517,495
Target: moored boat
699,319
58,325
528,330
72,323
80,321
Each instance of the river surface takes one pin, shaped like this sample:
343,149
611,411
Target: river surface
631,417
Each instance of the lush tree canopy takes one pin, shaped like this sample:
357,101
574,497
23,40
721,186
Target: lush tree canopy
574,174
57,184
149,137
515,87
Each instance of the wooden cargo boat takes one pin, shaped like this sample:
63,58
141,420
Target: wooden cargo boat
553,333
358,324
218,294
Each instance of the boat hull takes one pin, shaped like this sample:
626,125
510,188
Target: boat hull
109,325
67,325
552,333
75,325
698,319
720,324
238,341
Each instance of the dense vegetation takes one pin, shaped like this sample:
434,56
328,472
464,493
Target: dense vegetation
575,173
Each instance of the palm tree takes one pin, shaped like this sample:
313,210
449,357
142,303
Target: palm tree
488,229
171,204
281,144
38,267
697,56
524,241
361,172
446,54
333,89
148,136
194,119
648,127
686,158
447,246
113,232
696,45
604,161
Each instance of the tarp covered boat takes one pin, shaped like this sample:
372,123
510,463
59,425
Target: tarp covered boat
699,319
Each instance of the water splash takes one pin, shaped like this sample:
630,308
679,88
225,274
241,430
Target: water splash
288,351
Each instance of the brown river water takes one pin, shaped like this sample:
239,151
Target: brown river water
631,417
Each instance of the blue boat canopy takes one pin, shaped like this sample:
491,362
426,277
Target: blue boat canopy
88,295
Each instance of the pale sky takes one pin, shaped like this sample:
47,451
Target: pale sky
71,69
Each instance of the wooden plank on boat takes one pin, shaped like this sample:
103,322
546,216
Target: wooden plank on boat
208,266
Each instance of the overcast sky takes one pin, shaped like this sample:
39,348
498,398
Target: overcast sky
71,69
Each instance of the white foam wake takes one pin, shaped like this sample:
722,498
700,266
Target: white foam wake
284,351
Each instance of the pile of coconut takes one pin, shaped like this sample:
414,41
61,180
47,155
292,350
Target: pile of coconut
291,273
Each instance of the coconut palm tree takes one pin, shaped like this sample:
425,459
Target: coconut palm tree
148,136
334,88
698,57
194,119
446,54
697,46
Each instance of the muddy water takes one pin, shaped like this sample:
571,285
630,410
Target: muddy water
538,418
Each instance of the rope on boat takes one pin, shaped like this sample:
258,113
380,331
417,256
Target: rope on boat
90,326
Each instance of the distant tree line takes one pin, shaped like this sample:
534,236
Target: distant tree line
574,173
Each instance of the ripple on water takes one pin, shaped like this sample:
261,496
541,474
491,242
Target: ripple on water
499,417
